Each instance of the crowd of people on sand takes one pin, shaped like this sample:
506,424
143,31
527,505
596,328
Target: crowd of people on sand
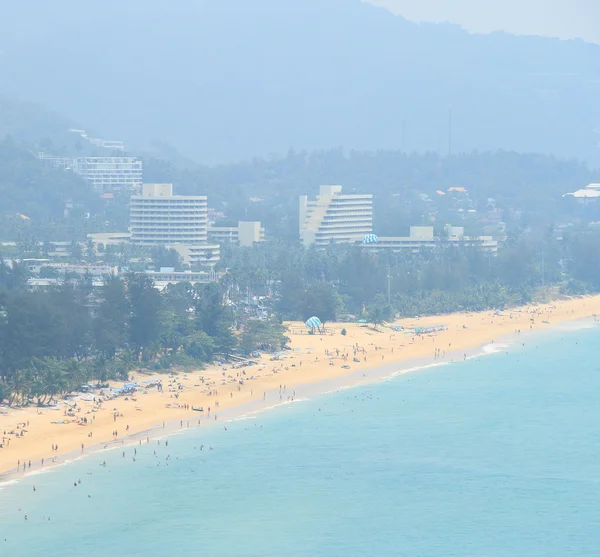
176,385
232,378
233,375
19,431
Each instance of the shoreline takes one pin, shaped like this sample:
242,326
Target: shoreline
466,336
373,375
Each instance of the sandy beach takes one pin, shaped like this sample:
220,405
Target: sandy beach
34,437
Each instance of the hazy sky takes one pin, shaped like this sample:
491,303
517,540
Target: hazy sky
557,18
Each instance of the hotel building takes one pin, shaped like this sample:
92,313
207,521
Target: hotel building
104,174
334,217
159,218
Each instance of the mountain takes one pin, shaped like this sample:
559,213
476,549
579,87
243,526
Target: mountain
32,124
222,80
34,127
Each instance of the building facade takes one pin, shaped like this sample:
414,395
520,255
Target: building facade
168,275
422,237
200,254
110,238
334,217
180,222
159,218
244,234
104,174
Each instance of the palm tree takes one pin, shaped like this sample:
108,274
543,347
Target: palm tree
55,379
76,252
90,249
376,317
100,369
18,387
75,374
126,361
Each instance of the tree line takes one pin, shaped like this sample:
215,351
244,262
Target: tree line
344,279
54,341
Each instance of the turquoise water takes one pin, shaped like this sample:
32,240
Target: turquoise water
496,456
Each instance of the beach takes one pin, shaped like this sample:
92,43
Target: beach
35,435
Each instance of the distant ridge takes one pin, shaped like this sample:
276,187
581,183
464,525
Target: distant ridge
223,80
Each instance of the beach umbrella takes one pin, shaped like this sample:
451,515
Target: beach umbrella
370,239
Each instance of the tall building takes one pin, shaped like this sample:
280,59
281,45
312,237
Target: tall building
334,217
105,174
159,218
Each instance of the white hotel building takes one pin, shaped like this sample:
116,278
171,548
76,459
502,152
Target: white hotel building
334,217
159,218
104,174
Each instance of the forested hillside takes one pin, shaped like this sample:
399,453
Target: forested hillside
268,190
36,126
34,194
206,77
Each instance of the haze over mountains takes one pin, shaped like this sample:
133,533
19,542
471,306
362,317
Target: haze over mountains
223,80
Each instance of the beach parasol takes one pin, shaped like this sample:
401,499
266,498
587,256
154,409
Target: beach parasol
313,323
370,239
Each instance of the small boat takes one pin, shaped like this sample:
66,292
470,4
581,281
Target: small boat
198,408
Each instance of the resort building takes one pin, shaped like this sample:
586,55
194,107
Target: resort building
199,254
422,237
109,238
334,217
168,275
159,218
244,234
97,142
104,174
48,284
37,267
587,194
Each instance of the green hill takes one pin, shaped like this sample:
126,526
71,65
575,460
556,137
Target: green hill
225,80
34,194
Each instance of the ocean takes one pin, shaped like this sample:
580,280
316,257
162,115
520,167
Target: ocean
497,456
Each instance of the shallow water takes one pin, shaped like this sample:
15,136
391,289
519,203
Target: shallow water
495,456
